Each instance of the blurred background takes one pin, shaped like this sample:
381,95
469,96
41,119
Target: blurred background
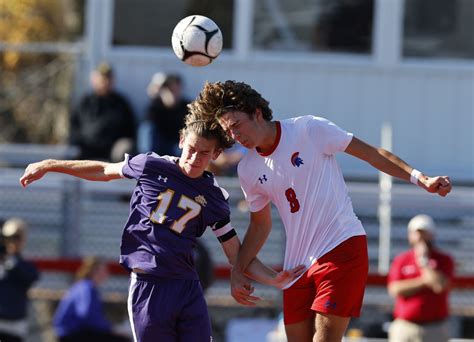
394,72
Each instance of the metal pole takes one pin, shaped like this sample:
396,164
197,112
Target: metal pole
385,208
71,206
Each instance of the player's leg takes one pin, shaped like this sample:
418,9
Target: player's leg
333,286
297,313
330,328
340,277
153,306
193,324
302,331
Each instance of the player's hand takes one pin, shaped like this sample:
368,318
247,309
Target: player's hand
440,184
286,276
241,288
33,172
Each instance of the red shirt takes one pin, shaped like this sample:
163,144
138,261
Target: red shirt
425,305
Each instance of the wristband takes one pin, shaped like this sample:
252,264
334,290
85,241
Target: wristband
415,174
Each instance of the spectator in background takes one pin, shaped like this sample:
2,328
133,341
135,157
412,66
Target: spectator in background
419,281
165,115
16,277
80,315
104,122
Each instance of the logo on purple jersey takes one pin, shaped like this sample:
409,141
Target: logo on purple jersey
201,200
296,160
262,179
161,178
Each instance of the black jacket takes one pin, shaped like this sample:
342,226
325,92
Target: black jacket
16,277
98,122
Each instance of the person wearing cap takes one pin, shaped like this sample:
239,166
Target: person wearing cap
103,124
16,277
419,281
159,132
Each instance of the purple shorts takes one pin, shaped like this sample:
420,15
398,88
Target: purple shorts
167,310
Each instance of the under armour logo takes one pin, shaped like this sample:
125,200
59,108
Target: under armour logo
262,179
330,304
164,179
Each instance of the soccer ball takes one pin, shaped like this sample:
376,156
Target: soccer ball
197,40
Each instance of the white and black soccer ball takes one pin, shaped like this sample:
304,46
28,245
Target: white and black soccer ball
197,40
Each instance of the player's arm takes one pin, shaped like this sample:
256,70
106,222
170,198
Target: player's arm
391,164
86,169
257,271
257,233
241,286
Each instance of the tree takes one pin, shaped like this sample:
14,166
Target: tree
35,87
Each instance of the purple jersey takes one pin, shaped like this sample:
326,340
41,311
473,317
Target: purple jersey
168,211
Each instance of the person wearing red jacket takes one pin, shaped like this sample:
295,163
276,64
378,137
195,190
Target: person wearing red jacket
419,281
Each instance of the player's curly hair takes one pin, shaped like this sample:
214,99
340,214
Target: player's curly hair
219,98
206,127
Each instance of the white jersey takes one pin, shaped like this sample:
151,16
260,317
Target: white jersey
303,180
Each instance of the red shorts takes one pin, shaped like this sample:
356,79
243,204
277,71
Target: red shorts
334,284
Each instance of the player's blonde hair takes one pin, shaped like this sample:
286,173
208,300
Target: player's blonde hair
206,127
219,98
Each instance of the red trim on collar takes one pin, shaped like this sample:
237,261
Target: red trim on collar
275,144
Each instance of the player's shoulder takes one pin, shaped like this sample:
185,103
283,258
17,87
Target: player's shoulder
248,162
154,158
152,162
303,119
301,123
214,185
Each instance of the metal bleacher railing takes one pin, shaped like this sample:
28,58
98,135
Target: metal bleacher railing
70,218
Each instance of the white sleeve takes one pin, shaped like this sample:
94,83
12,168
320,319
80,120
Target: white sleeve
256,200
329,137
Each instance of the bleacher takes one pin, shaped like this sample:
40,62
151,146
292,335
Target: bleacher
71,217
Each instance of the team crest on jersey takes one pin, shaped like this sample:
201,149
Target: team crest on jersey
201,200
296,160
